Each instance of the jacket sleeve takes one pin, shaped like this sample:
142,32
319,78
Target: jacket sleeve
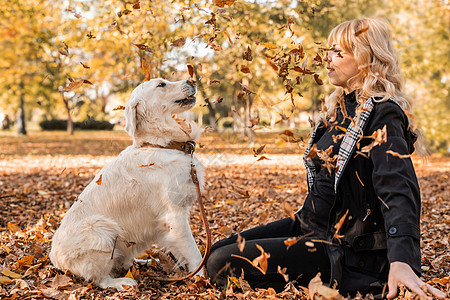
395,183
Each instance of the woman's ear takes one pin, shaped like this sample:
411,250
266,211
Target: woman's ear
130,116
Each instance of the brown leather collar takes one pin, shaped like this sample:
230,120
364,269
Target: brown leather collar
186,147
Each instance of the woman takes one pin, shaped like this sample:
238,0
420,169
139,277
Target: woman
363,207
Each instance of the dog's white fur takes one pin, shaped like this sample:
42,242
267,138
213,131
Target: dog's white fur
135,205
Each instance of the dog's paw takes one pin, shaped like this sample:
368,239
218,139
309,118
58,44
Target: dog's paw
117,283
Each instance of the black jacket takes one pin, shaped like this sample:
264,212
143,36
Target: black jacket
379,194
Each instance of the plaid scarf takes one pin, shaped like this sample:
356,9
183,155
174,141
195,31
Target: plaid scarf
348,145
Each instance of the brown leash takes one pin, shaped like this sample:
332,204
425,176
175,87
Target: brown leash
189,148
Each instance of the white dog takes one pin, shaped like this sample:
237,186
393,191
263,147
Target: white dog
142,197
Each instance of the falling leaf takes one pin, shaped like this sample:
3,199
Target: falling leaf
258,151
309,244
317,79
119,107
260,262
287,208
338,226
137,5
123,13
65,50
312,152
393,153
361,31
147,70
222,3
303,71
241,243
84,65
178,42
272,64
245,69
269,45
259,159
143,47
247,55
99,180
90,35
73,85
360,181
283,273
87,81
147,165
190,70
290,242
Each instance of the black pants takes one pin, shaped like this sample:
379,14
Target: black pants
303,262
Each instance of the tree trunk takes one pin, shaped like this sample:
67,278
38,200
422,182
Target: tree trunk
21,115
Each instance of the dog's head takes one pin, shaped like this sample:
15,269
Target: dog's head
153,102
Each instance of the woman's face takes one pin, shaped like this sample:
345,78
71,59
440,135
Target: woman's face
341,66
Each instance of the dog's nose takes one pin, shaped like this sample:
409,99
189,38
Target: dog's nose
191,82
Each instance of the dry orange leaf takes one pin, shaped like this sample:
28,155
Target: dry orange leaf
61,281
283,273
11,274
290,242
24,262
288,210
147,165
319,291
245,69
190,70
147,70
119,107
241,243
99,180
222,3
269,45
260,262
393,153
13,228
73,85
178,42
339,225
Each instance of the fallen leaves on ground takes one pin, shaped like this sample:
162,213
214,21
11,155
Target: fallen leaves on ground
41,177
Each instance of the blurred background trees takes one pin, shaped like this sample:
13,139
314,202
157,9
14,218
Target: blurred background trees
75,60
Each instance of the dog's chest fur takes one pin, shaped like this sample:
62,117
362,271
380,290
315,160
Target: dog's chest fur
139,187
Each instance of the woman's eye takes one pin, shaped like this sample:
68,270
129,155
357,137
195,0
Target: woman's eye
335,50
161,84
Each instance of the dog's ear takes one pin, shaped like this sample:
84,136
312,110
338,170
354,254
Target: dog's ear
130,116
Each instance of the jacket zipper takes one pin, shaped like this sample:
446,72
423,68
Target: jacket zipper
368,212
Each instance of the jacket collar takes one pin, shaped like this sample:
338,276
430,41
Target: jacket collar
348,144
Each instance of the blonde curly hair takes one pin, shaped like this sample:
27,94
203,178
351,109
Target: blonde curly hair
369,41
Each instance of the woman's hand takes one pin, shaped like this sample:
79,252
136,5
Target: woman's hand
401,273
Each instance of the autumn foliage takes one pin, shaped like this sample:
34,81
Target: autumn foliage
242,191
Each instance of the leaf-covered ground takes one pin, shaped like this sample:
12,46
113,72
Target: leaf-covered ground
41,176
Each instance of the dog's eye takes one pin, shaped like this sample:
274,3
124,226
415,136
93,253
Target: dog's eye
161,84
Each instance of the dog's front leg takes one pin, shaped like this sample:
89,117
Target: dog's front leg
180,241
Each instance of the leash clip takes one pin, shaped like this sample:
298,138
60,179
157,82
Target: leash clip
189,147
